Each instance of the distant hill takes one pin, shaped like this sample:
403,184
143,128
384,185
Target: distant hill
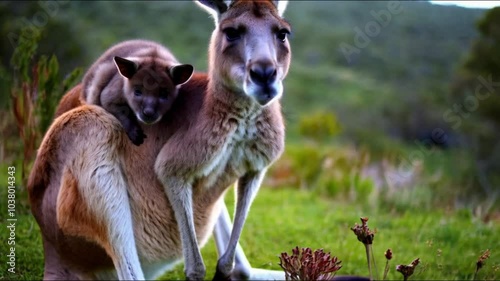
392,83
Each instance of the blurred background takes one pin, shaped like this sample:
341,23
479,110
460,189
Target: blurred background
391,104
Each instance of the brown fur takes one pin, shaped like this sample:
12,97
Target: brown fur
73,215
135,80
76,233
65,252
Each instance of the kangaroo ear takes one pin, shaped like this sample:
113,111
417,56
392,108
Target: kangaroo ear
181,73
126,67
281,6
214,7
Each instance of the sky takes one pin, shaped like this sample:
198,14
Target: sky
470,4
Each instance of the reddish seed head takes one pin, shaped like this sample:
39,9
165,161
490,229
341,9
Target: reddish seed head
407,270
388,254
482,259
309,265
364,234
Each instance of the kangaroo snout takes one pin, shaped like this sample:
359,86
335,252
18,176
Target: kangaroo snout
149,116
263,81
263,74
149,112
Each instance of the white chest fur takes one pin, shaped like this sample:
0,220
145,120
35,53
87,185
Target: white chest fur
239,154
242,148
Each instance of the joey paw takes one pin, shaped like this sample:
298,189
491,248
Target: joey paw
136,135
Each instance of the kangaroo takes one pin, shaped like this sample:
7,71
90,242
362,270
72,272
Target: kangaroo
239,130
100,218
140,87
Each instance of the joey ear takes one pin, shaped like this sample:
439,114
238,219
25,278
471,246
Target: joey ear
181,73
281,6
215,7
127,68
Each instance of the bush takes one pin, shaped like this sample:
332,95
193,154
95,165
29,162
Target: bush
328,171
36,89
306,164
319,126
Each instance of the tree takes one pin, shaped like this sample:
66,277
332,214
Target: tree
475,96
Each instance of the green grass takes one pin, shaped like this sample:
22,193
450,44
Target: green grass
447,243
284,218
29,251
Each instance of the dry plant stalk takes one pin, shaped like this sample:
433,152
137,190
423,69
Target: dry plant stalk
23,109
388,257
481,262
366,236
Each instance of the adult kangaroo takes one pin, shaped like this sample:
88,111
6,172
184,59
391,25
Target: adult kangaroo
108,209
239,130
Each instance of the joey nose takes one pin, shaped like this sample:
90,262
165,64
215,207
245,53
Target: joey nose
263,74
148,112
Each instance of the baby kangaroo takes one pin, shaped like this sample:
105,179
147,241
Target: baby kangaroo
135,80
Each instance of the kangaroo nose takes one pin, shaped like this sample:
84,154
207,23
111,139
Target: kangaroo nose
148,112
263,74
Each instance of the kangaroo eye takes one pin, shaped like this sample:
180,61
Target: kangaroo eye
232,34
137,92
282,34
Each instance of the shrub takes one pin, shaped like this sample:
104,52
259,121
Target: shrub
319,126
35,92
330,171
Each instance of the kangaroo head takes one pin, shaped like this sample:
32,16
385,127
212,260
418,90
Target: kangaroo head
150,86
249,50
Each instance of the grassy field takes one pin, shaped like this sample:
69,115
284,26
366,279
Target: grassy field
447,243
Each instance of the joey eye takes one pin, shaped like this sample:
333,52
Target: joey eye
137,93
282,34
232,34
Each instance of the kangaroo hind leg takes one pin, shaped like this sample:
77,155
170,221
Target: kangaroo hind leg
93,200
